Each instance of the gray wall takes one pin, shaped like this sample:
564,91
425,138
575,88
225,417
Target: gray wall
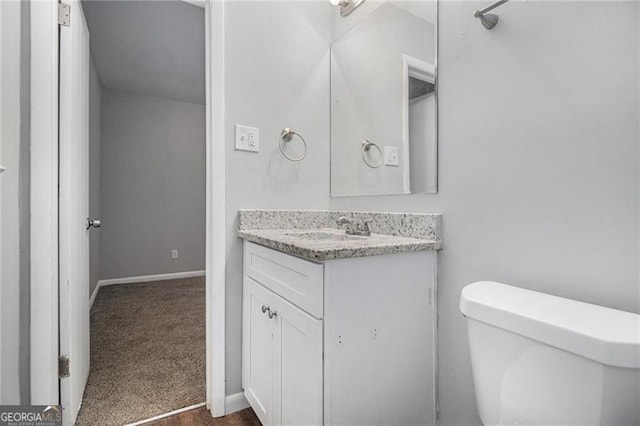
153,185
277,75
94,176
14,195
538,126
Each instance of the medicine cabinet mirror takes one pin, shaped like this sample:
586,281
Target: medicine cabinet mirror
384,101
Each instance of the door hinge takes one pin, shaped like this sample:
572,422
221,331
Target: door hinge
63,367
64,14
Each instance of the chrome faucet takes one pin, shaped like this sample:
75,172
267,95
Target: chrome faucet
353,228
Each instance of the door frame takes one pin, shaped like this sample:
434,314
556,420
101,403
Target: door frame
44,204
2,169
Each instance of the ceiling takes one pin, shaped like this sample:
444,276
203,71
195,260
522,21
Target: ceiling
153,48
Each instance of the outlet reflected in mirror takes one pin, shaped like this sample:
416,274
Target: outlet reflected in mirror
383,101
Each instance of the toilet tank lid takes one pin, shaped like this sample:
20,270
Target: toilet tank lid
606,335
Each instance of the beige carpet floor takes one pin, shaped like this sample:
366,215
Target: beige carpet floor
147,351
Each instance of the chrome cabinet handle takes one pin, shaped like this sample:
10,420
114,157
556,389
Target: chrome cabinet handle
271,314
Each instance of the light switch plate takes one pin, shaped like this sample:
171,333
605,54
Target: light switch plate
247,138
391,156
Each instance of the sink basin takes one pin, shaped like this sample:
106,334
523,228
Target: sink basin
325,236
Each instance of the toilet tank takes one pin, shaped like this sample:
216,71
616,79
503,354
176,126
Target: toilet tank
539,359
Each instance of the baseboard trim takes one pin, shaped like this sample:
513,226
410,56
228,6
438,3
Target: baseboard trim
93,295
235,402
142,279
148,278
165,415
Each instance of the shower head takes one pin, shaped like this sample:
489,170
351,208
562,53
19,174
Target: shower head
489,20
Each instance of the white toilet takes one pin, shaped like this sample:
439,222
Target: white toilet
539,359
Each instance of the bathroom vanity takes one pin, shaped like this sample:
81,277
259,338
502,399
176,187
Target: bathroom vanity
339,329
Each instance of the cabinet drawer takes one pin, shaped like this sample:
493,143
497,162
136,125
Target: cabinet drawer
296,280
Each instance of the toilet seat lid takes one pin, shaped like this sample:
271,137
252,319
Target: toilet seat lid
606,335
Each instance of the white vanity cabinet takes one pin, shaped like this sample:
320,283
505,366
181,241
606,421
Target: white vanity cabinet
342,342
282,343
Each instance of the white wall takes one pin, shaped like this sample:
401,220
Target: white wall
94,176
538,144
153,185
277,75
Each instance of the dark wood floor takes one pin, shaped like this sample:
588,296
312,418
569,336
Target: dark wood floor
202,417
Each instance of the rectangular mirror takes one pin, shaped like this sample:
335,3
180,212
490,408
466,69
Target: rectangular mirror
384,102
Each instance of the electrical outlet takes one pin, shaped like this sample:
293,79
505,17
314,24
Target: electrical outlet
174,254
391,156
252,138
247,138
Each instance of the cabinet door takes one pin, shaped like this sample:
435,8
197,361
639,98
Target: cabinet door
258,350
298,367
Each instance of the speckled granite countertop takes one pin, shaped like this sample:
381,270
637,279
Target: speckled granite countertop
319,244
318,241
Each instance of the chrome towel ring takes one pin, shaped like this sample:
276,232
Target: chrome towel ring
286,136
366,147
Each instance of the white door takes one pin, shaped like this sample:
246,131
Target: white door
282,346
258,350
298,367
74,209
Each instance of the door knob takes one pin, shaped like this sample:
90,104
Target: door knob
95,223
